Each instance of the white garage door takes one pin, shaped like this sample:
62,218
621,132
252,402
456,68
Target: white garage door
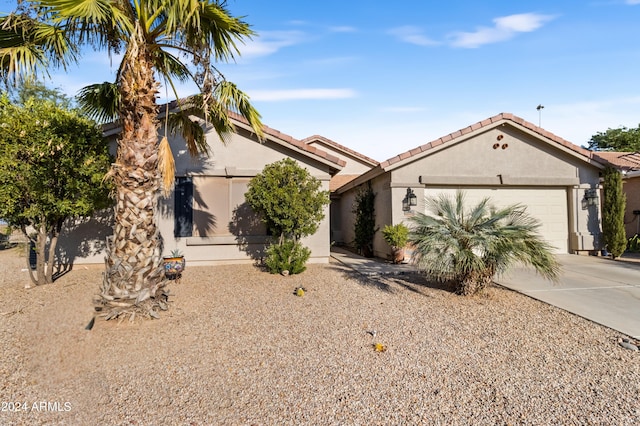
549,205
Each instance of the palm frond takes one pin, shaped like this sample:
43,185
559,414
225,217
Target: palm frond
169,66
473,244
180,122
27,45
212,26
166,166
231,98
100,101
102,23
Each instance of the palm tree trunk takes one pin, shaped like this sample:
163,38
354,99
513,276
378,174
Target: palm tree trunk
134,276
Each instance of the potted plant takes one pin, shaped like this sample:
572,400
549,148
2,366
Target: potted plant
396,236
174,264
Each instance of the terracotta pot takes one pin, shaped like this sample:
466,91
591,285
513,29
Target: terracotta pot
398,255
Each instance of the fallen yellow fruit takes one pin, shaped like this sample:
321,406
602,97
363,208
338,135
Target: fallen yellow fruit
379,347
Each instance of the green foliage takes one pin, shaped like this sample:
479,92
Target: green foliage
396,235
620,139
365,223
633,245
613,207
468,246
38,36
52,166
32,88
289,256
288,199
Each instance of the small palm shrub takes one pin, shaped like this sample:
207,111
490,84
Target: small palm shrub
289,256
467,247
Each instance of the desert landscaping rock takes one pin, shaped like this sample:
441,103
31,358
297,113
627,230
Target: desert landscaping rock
235,348
629,346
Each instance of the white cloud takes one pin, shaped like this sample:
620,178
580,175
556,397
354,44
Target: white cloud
269,42
632,2
300,94
505,28
413,35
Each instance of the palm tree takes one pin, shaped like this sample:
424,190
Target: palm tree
162,41
468,247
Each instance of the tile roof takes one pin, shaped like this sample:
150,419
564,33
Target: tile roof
338,180
340,147
627,161
489,122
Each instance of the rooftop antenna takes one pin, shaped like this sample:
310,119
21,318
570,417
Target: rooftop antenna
539,108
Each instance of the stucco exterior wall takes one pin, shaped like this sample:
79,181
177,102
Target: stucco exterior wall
508,157
518,159
631,187
216,238
221,239
380,186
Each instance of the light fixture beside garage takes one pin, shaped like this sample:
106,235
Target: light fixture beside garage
590,198
409,200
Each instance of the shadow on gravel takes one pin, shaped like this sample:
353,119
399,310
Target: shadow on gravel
391,283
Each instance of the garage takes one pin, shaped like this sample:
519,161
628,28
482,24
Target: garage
548,205
505,158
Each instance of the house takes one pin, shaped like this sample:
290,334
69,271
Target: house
355,165
206,217
503,157
629,164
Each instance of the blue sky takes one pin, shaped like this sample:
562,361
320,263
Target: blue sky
385,77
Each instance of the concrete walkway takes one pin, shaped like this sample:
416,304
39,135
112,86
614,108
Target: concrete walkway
369,266
602,290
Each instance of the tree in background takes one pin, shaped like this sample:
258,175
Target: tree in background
30,87
613,207
52,167
468,246
620,139
291,203
156,41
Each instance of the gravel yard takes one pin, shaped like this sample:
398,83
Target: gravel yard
238,347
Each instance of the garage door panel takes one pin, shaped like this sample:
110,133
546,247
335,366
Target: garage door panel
548,205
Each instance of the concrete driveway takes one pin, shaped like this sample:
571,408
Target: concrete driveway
601,290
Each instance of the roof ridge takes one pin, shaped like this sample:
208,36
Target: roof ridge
625,160
479,125
335,144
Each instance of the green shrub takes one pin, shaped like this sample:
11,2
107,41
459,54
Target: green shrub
396,235
613,213
365,222
633,245
289,256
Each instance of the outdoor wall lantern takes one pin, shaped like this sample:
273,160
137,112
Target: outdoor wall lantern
590,197
409,200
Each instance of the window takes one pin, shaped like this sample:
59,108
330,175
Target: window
219,208
183,195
